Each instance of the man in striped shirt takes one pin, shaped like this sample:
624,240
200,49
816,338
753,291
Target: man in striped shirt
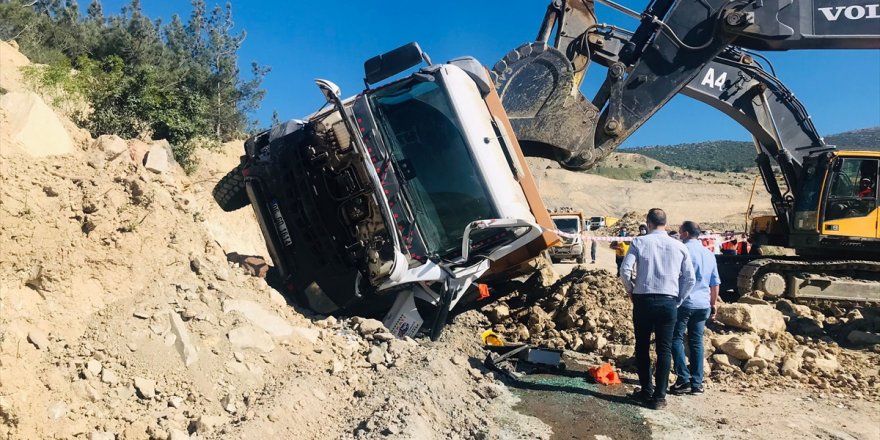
658,274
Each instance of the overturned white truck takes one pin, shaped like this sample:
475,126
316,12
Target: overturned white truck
399,199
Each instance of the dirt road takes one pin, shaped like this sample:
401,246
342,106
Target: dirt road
577,409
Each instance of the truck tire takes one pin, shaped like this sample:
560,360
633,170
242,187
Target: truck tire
230,191
581,259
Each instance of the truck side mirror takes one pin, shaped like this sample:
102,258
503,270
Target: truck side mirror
391,63
330,90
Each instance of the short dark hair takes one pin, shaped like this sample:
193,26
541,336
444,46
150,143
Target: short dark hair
657,217
692,228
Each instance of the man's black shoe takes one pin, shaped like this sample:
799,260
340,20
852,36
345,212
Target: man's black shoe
656,404
679,388
640,396
697,390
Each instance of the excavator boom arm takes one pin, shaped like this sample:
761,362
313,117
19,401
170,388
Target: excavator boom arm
673,45
804,24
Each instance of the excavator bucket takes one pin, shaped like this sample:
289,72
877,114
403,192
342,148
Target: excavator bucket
550,116
539,84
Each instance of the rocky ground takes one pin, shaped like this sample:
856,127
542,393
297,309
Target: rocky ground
754,343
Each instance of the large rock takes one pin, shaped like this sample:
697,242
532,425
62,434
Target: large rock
57,410
764,352
111,145
38,338
259,316
251,337
740,347
619,352
138,150
806,327
207,424
792,362
545,276
369,326
756,362
499,313
157,159
594,342
860,337
34,126
725,360
718,340
764,320
183,343
827,363
791,309
146,387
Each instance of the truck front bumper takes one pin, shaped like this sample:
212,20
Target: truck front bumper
566,251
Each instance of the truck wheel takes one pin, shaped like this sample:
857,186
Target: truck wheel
581,259
230,191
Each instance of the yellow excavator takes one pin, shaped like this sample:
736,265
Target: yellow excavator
825,200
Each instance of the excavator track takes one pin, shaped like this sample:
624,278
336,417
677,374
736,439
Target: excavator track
855,280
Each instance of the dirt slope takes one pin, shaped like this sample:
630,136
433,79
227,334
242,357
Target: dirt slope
685,195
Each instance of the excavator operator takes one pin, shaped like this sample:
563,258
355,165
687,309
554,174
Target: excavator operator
866,189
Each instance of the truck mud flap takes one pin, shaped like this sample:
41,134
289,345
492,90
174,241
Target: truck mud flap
300,268
255,192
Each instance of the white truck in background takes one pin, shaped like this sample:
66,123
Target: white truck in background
571,223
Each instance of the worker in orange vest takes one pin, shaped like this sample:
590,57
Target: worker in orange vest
729,247
742,248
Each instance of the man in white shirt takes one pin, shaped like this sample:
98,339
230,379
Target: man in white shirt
658,274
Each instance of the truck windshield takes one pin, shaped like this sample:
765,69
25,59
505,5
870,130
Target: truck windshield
569,225
432,157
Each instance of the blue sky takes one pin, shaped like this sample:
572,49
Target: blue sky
303,40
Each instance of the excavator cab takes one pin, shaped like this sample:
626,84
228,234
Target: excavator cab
850,207
838,206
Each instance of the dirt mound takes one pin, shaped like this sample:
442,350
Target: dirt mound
584,311
123,317
628,224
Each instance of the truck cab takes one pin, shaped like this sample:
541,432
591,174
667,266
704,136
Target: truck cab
406,194
570,224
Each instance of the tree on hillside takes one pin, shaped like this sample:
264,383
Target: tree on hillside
176,81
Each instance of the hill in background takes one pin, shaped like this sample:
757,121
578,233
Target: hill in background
738,155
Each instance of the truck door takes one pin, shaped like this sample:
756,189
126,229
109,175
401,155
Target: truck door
851,205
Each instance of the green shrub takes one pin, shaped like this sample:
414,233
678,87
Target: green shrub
131,76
